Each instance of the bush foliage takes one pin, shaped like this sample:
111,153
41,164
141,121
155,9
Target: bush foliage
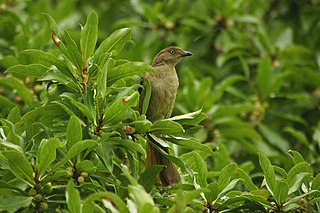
245,132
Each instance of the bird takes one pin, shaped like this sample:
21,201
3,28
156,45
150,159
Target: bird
164,83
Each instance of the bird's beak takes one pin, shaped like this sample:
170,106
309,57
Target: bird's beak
186,53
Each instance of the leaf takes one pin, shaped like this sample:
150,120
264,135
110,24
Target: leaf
13,203
147,95
247,179
191,143
83,108
198,165
213,192
150,176
52,23
296,182
128,69
226,174
19,166
264,81
74,150
47,59
89,36
85,166
274,138
73,198
73,51
35,70
129,145
268,172
74,131
20,88
46,154
14,115
298,168
115,199
166,127
102,78
119,109
281,191
114,43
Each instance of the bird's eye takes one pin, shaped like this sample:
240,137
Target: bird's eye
173,52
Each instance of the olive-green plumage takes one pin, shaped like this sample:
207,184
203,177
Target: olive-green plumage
164,84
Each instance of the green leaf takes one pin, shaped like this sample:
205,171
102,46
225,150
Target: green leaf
119,109
264,81
247,179
89,36
268,172
198,165
316,183
115,199
46,153
73,51
85,166
73,198
191,143
74,131
281,191
20,88
83,108
12,203
147,95
114,43
297,157
298,168
213,192
139,195
296,182
74,150
274,138
52,23
226,174
166,127
14,115
128,69
102,78
150,176
35,70
19,166
46,59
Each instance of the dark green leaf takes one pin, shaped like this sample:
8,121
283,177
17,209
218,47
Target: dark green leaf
73,51
267,171
35,70
14,203
226,174
127,69
74,150
73,198
114,43
150,176
89,36
74,131
198,165
281,191
46,153
19,166
166,127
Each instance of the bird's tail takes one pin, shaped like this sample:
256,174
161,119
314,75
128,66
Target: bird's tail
169,175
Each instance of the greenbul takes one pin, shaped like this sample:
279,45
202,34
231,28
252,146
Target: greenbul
164,85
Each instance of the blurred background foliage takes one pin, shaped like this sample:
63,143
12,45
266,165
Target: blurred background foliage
254,69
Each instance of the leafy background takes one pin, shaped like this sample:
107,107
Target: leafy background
254,73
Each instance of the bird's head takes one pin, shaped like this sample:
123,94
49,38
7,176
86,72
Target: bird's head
170,55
